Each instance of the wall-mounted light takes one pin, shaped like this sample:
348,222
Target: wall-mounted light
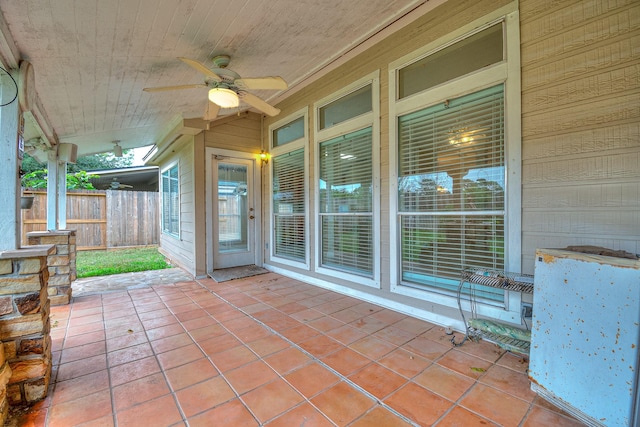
264,158
117,149
226,98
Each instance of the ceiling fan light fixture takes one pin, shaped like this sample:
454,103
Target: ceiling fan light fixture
226,98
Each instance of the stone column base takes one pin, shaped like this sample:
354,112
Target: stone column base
24,325
61,264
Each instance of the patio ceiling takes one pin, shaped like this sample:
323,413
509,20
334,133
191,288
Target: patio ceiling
92,58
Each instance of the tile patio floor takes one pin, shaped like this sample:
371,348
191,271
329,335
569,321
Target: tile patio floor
269,350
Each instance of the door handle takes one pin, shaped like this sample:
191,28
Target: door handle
251,217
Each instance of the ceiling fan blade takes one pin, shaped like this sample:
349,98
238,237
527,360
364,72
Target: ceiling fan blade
179,87
258,103
212,111
274,83
202,68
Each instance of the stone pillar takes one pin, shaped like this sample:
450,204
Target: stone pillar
24,322
61,263
5,376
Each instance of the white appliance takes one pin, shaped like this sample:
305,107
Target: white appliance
585,336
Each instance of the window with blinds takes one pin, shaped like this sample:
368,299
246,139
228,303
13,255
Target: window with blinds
170,202
346,195
289,235
451,190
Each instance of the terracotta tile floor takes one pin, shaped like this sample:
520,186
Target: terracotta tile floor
273,351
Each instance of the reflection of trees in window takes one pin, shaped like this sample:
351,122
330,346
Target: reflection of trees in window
357,199
483,194
417,194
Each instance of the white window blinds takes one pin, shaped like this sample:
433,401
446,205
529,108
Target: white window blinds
346,178
451,186
289,206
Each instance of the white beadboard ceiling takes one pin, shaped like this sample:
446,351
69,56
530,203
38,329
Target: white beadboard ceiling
92,58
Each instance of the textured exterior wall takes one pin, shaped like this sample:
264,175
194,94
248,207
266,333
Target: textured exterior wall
235,133
580,125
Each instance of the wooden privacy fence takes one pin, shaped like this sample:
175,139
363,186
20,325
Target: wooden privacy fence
103,218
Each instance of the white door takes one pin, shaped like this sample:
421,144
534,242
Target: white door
234,212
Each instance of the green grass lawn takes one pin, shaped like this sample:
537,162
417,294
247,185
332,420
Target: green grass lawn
116,261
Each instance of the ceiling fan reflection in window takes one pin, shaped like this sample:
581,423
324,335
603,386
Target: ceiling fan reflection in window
465,136
227,88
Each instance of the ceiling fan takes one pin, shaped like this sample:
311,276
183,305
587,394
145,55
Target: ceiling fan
227,88
115,185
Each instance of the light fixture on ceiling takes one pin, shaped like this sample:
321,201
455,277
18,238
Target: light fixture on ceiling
226,98
117,149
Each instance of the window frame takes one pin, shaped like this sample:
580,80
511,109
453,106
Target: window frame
167,170
294,145
506,72
362,121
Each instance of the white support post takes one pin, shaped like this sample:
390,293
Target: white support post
9,170
62,195
52,191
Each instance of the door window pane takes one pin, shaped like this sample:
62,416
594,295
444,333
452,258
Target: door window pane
232,207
